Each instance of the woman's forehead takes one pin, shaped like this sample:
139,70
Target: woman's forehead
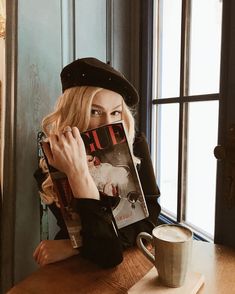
107,99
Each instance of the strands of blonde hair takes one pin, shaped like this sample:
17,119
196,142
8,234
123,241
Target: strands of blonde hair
73,109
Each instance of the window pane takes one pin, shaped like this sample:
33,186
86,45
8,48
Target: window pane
169,48
205,43
201,177
167,155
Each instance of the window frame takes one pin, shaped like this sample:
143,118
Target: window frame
148,30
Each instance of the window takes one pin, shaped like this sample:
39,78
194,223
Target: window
185,108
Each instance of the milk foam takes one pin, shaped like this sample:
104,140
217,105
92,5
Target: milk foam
172,233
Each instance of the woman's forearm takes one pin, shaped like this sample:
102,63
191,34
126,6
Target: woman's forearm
83,186
101,242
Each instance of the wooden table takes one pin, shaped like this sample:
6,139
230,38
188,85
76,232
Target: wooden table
77,275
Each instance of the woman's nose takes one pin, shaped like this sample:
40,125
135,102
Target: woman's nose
107,120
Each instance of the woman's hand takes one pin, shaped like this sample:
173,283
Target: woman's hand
50,251
66,152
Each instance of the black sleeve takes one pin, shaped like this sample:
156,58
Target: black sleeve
100,237
147,177
101,242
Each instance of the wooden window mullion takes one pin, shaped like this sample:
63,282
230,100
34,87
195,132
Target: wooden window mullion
183,110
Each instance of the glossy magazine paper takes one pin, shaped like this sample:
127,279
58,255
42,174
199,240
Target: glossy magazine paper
112,167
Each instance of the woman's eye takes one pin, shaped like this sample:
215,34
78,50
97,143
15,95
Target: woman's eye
96,112
116,112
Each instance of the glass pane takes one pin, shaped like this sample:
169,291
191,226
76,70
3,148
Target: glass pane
205,45
169,48
167,155
201,177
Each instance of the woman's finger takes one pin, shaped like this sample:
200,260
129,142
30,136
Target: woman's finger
54,140
76,134
41,255
36,252
78,138
67,133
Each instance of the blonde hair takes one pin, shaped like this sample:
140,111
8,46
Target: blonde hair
79,99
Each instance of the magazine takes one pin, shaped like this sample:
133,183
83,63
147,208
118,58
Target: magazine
113,170
65,196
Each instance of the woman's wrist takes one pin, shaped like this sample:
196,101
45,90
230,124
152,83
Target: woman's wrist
74,251
83,186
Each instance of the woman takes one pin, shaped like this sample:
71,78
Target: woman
94,94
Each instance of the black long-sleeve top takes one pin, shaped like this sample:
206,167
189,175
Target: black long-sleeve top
103,242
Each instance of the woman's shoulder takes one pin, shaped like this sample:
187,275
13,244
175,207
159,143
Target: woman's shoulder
140,145
139,137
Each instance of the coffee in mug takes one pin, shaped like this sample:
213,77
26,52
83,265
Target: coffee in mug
173,246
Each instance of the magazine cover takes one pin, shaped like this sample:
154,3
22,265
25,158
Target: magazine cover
111,166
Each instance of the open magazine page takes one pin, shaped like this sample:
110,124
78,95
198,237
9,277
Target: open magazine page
70,215
113,170
64,193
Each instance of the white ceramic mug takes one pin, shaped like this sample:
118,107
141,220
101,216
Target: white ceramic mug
173,247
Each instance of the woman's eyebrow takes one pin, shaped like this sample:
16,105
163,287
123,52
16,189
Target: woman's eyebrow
101,107
120,105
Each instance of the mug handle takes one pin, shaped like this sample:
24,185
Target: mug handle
143,249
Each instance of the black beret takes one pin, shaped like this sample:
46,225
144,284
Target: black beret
93,72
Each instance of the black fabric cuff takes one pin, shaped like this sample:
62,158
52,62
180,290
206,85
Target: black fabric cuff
101,208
